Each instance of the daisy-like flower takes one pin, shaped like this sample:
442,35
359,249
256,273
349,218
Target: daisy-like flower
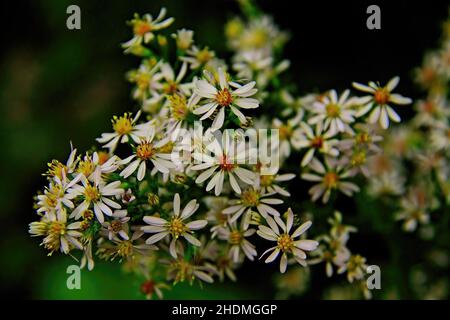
92,166
129,249
124,129
378,102
269,183
172,84
96,195
355,267
222,97
55,195
236,238
225,161
61,170
147,79
317,140
333,252
197,58
147,150
289,133
415,209
286,242
58,234
334,112
144,28
252,199
330,177
175,226
118,225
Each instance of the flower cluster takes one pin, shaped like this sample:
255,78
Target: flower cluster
174,194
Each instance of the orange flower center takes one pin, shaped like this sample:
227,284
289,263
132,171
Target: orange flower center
330,180
381,96
145,151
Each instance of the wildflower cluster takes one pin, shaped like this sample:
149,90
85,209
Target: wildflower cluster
175,195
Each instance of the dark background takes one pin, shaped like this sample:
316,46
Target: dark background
58,85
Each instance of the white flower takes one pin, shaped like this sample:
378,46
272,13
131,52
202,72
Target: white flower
286,242
268,183
378,102
415,207
124,128
147,80
223,97
91,167
147,150
318,140
55,195
355,267
334,112
224,162
176,226
289,133
330,177
58,234
61,170
173,84
236,238
96,195
144,28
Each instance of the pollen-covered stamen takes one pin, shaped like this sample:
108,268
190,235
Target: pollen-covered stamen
116,225
250,198
122,125
358,158
381,96
141,27
204,55
91,193
330,180
145,150
226,164
170,87
176,227
125,248
362,138
86,167
317,142
224,97
333,110
235,237
285,242
56,169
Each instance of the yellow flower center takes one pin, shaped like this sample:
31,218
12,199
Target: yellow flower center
333,110
141,27
86,167
224,97
56,169
235,237
125,248
116,225
362,138
176,227
178,106
167,148
91,193
330,180
266,180
285,132
122,125
250,198
358,158
285,242
143,80
204,55
256,38
145,151
57,228
381,96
